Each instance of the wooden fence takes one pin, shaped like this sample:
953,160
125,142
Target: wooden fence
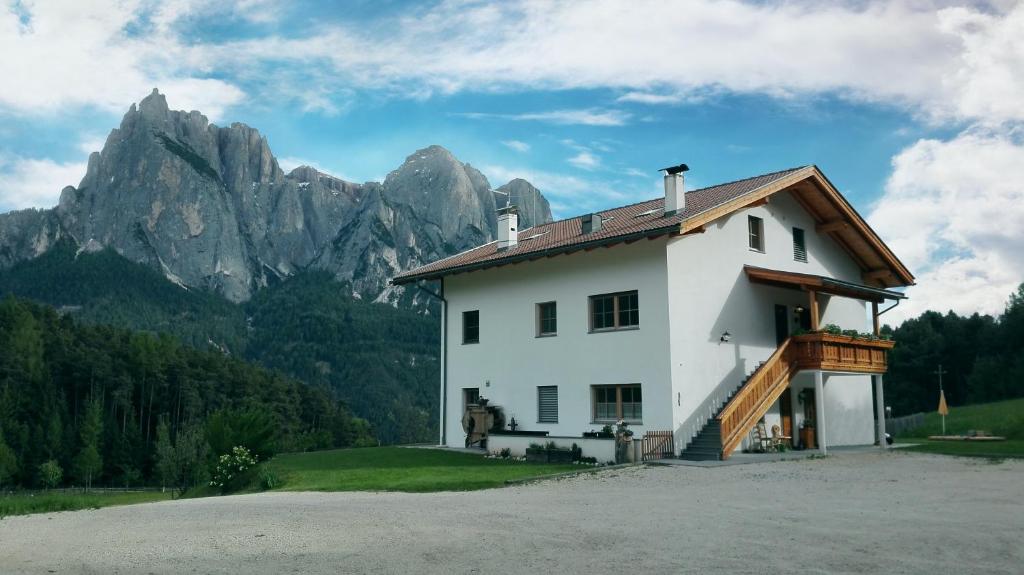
658,445
897,426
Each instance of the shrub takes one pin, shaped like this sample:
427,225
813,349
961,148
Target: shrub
50,474
253,429
269,479
506,453
833,329
230,473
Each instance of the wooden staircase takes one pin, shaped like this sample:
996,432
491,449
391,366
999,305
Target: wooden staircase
745,406
752,399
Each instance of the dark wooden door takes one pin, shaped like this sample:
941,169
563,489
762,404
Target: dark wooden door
781,324
786,412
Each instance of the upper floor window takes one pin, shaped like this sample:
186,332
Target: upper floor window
755,225
799,245
471,326
547,318
614,311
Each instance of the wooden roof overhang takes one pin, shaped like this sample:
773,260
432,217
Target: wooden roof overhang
820,284
834,217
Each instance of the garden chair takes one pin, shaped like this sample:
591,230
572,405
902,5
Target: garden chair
762,441
778,440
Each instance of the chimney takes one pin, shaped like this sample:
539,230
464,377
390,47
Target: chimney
591,223
508,227
675,192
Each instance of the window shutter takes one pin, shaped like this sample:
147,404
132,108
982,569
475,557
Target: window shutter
799,245
547,404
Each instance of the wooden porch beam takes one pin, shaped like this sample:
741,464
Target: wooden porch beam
813,300
874,317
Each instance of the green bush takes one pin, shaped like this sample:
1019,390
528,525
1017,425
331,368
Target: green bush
268,479
233,470
253,429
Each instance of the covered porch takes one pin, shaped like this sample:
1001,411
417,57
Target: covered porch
791,389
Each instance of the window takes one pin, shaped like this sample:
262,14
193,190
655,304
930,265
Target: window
615,402
614,311
470,396
471,326
547,318
547,404
756,227
799,245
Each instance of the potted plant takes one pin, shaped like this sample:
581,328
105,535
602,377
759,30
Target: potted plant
807,437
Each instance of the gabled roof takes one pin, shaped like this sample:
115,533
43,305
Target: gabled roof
648,220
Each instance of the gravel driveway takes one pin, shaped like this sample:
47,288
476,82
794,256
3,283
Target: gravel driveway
851,513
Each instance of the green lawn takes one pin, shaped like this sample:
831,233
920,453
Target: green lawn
1004,418
400,469
23,504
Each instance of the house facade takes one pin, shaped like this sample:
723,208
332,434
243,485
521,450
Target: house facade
702,320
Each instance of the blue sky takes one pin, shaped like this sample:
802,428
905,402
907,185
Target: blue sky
913,109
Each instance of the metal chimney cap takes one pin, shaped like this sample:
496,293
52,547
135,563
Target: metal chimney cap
673,170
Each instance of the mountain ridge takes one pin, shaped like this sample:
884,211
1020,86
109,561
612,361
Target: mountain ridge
211,208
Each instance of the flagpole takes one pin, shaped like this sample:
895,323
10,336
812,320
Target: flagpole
943,409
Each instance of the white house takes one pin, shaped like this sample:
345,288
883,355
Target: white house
660,313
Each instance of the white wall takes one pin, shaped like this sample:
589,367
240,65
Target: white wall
510,361
708,294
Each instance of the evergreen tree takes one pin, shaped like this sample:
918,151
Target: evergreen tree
8,461
88,462
167,468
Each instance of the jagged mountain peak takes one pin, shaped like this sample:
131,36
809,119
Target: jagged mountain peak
210,207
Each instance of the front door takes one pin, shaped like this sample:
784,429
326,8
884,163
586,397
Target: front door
781,324
786,412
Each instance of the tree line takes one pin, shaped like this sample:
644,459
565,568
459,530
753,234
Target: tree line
93,405
982,357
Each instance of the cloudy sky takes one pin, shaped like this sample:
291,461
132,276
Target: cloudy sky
914,109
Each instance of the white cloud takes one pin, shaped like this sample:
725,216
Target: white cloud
59,54
586,117
35,182
941,62
569,195
952,211
585,161
516,145
650,98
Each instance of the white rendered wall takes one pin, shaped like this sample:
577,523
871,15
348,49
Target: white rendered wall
709,294
510,361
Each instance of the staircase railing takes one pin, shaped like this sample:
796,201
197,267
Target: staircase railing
754,399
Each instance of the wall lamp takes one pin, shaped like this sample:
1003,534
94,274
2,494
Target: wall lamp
726,336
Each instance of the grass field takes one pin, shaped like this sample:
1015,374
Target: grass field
1005,418
23,504
400,469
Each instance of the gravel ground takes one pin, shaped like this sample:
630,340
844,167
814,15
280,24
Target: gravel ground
850,513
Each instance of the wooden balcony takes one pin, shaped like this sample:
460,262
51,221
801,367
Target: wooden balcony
843,353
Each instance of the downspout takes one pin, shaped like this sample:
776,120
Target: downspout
444,356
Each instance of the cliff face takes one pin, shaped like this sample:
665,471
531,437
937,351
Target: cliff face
209,207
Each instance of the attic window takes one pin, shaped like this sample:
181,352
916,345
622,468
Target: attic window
799,245
755,227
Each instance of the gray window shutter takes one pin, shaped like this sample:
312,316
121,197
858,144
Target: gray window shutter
547,404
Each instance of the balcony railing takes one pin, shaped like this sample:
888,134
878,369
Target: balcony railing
830,352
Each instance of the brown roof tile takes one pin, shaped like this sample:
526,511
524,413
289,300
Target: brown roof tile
635,220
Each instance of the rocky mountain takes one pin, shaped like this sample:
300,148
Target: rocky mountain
210,207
